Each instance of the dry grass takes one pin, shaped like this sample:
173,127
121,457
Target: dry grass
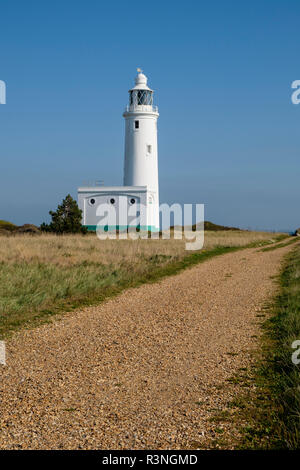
43,275
67,250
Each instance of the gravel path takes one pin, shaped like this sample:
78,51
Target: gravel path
146,369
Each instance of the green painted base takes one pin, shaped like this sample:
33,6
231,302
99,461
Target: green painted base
122,228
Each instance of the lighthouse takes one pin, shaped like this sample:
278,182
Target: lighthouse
140,163
136,203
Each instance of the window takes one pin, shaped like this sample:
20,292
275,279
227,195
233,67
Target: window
144,97
132,201
140,97
92,201
149,148
112,201
136,124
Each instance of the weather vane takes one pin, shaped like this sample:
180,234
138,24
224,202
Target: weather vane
139,70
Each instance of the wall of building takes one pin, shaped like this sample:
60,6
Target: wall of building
126,203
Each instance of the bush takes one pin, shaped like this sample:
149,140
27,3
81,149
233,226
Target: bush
8,226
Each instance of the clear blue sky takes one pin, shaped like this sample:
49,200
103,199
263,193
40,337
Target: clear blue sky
222,72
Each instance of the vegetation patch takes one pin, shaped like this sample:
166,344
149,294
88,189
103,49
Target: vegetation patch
4,225
280,245
279,371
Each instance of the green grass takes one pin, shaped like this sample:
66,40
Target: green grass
280,245
282,375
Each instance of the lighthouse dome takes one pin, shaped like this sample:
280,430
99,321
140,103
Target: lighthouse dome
140,79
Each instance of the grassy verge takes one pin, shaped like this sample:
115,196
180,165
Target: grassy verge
280,372
50,275
280,245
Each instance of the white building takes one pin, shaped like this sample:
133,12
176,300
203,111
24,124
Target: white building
136,204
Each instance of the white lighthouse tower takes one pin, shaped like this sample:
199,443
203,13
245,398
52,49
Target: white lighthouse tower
140,190
140,165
